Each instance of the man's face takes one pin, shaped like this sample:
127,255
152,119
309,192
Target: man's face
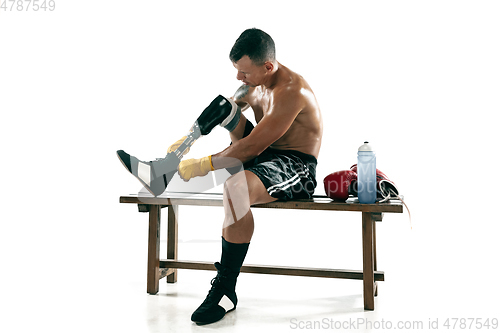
250,74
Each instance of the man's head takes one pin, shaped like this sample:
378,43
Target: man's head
254,56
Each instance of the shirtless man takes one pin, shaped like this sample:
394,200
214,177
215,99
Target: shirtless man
279,156
275,160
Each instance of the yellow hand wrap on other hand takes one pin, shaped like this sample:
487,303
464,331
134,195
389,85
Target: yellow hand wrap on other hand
177,144
195,167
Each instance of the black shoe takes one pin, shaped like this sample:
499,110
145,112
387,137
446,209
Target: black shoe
220,300
154,175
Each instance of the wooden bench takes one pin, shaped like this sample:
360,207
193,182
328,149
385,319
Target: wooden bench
158,269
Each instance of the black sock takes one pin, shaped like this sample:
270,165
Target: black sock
231,260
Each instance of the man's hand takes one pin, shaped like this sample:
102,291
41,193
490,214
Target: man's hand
195,167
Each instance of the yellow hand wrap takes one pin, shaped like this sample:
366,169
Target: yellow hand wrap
195,167
177,144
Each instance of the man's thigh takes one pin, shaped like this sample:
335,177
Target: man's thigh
256,189
247,189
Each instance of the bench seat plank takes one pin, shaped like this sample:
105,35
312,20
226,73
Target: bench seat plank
215,199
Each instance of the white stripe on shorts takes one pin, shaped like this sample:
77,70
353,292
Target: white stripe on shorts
287,183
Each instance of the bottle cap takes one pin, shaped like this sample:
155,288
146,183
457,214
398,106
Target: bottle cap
365,147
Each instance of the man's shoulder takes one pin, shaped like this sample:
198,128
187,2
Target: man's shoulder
293,84
290,90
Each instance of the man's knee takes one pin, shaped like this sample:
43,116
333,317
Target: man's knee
236,195
236,186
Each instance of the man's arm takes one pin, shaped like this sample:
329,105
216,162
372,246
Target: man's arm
287,104
240,97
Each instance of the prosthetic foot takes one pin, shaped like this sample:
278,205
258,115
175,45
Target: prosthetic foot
155,175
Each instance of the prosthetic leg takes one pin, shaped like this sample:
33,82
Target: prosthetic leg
155,175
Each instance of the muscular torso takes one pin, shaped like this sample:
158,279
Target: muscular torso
305,132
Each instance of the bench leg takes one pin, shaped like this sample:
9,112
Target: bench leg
153,278
173,218
375,255
368,262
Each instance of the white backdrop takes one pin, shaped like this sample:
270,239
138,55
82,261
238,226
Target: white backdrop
418,79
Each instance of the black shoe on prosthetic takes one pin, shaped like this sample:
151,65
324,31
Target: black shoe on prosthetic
220,300
154,175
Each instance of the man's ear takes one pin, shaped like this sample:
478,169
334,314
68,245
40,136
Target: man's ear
269,66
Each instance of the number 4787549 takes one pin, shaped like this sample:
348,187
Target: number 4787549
27,5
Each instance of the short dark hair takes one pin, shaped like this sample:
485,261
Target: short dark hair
256,44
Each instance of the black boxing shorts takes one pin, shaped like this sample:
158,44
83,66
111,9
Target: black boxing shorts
286,174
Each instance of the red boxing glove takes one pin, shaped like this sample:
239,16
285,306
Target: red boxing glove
337,184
